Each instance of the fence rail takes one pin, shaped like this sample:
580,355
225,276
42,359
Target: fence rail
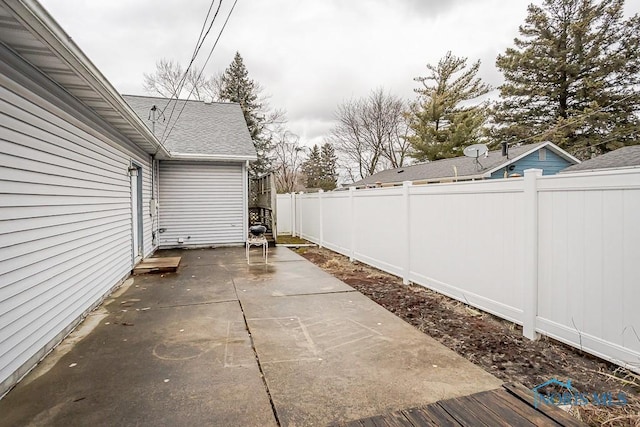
559,255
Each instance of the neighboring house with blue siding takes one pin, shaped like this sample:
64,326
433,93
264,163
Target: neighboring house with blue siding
544,155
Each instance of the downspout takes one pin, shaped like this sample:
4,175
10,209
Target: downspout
153,204
245,222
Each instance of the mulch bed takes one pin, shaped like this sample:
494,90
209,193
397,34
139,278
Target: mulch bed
490,342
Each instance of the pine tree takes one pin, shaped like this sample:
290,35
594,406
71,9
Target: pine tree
442,119
572,78
312,168
236,86
328,161
320,167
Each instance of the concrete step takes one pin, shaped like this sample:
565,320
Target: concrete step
157,265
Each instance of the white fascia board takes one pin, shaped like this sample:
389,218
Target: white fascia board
210,157
33,16
609,169
459,178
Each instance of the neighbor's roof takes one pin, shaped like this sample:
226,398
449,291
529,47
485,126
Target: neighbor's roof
204,131
621,158
460,167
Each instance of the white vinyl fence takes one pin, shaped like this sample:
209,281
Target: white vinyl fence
284,213
559,254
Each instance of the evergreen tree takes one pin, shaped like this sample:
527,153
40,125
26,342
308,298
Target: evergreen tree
572,78
442,120
328,161
320,168
312,168
236,86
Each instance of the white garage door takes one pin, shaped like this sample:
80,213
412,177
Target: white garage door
201,204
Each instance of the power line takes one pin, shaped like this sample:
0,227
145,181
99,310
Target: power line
199,43
574,120
198,46
618,136
177,90
203,66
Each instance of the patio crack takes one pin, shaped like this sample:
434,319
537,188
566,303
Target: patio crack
255,353
196,303
315,293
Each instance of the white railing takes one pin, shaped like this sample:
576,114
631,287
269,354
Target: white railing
559,255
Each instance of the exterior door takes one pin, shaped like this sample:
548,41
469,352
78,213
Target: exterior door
136,210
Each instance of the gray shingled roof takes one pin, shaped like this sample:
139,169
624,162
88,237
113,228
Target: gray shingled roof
620,158
444,169
213,129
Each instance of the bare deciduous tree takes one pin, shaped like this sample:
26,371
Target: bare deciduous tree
371,134
288,158
169,81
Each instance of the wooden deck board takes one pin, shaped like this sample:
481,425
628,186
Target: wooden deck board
430,415
525,410
507,410
397,419
471,412
527,396
157,265
512,405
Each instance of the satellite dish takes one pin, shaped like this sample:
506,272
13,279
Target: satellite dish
475,150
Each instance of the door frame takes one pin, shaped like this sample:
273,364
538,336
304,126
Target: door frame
137,223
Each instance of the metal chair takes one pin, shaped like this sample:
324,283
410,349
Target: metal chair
258,241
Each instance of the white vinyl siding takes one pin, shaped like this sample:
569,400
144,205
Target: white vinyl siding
203,203
65,223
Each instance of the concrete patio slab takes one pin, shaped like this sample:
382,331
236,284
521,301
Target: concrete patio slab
336,357
285,278
210,257
175,350
229,255
185,365
194,284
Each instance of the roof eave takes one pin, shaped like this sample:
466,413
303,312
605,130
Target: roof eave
212,157
446,179
40,23
562,153
607,169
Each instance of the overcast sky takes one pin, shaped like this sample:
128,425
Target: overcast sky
308,55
